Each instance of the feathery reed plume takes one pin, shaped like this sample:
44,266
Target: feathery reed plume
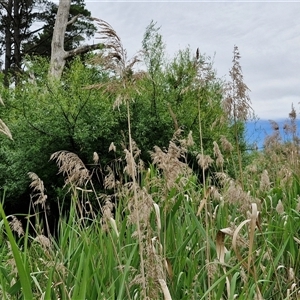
95,158
39,194
290,127
5,130
110,181
272,141
16,226
274,125
112,147
225,144
204,161
222,177
141,209
72,167
234,194
280,208
38,186
131,168
43,241
265,183
107,215
190,141
113,58
218,155
168,161
237,103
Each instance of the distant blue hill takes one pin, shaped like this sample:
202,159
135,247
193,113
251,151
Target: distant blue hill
257,131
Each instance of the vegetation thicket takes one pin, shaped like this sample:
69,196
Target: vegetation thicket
158,197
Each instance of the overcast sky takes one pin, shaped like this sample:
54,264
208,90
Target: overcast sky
266,33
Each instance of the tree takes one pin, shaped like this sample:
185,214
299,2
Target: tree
169,96
76,32
20,38
166,95
153,55
59,55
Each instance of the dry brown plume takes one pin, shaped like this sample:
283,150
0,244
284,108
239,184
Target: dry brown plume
3,128
72,167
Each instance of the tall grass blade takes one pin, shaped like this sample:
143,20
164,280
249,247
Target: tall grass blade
21,266
125,272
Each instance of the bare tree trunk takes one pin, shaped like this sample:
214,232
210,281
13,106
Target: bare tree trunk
17,40
58,53
8,42
13,37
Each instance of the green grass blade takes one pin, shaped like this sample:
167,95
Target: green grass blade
49,285
82,273
125,272
23,274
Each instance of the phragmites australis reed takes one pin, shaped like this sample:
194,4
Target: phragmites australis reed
204,161
72,167
140,206
280,207
226,145
3,128
218,155
38,188
16,226
234,194
113,58
237,103
43,241
291,126
40,198
169,161
265,183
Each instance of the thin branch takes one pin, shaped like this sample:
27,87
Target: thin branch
83,49
73,19
173,117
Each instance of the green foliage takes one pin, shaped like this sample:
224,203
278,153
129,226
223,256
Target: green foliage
169,94
45,118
